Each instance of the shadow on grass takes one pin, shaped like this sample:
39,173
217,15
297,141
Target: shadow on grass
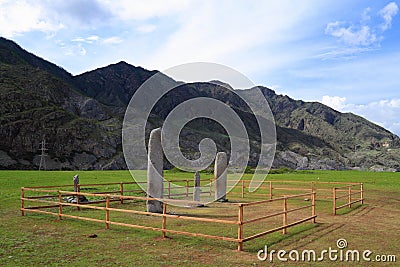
275,238
346,210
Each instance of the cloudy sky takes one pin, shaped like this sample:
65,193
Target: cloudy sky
345,54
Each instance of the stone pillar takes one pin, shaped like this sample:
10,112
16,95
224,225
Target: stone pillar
76,199
196,188
76,182
220,172
155,175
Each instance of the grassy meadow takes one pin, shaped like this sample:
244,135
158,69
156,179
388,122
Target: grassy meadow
43,240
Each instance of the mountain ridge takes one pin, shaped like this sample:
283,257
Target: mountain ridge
81,116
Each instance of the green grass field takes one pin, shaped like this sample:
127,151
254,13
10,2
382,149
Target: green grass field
42,240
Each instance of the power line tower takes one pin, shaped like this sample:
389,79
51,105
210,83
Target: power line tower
43,149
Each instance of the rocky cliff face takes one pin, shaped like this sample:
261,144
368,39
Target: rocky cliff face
39,100
327,138
80,117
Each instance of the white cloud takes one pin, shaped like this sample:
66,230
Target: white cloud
73,50
49,16
335,102
385,112
351,35
96,39
112,40
365,17
78,46
90,39
360,36
344,52
93,38
387,13
393,103
142,10
147,28
230,32
78,39
17,17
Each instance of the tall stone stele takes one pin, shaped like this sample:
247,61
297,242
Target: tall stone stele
155,173
76,182
220,176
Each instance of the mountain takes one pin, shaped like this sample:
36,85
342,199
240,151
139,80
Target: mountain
80,118
113,85
39,100
344,140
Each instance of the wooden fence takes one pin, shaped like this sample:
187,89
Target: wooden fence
58,203
285,211
349,192
271,189
170,186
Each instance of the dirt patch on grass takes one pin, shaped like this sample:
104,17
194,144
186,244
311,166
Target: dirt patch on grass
375,226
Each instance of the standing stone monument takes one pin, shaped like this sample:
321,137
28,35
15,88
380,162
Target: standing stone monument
196,188
76,182
155,175
220,176
76,199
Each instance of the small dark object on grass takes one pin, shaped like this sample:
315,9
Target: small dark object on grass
92,236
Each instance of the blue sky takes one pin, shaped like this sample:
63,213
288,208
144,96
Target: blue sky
342,53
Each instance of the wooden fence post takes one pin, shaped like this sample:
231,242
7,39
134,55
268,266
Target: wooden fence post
107,211
240,228
164,220
284,215
349,196
211,180
60,207
312,186
77,196
169,189
121,191
334,200
313,206
187,188
270,189
242,188
362,193
22,201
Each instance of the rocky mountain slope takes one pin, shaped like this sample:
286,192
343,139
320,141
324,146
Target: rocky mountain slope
80,117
